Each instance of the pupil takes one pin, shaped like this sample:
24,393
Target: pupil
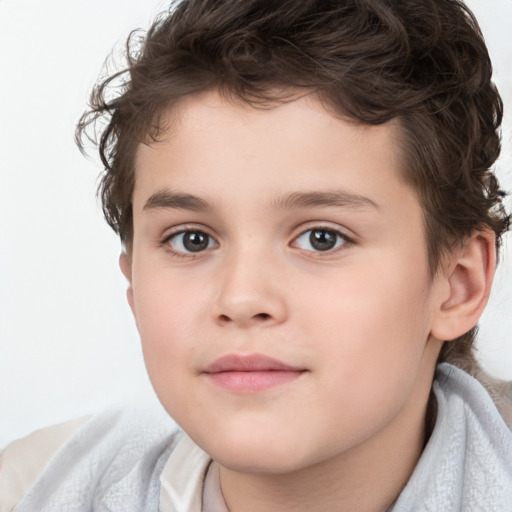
322,240
195,241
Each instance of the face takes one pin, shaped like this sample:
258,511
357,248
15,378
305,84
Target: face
279,281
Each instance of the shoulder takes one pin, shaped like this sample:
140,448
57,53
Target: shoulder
500,391
485,397
467,462
22,461
114,454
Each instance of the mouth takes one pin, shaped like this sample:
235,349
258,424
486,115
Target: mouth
250,374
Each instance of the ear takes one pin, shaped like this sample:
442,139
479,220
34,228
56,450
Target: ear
126,268
467,285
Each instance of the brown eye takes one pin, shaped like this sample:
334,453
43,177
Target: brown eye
195,241
323,239
191,241
320,240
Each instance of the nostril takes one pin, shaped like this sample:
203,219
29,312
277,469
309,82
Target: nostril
262,316
244,319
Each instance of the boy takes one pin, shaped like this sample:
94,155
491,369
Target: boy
310,228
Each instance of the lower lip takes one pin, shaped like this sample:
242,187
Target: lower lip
252,382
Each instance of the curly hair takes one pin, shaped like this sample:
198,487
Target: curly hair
423,63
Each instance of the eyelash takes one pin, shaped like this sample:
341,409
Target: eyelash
342,240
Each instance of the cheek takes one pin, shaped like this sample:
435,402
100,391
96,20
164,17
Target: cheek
165,302
167,314
368,357
371,326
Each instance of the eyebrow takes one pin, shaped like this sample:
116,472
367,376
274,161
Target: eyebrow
165,199
338,198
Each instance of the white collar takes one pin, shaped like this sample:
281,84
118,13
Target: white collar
182,479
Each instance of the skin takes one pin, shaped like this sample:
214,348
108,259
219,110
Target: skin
361,321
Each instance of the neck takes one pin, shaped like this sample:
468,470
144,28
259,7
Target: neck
348,485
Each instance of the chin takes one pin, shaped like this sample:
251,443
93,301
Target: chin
268,455
259,463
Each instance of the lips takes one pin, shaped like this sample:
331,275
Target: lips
249,374
252,363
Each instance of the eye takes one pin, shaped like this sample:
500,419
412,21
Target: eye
320,240
190,241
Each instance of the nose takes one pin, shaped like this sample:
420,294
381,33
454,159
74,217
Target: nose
250,292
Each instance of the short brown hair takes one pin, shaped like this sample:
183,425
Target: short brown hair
421,62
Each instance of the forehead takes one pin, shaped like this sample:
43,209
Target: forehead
211,144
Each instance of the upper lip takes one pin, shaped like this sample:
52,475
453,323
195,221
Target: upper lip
248,363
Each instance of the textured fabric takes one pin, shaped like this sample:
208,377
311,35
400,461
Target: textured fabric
500,392
112,464
467,463
24,460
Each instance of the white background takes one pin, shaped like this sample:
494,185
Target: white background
68,344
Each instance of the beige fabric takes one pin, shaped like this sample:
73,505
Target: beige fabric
22,461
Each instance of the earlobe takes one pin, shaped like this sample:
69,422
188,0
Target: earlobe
126,268
469,278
